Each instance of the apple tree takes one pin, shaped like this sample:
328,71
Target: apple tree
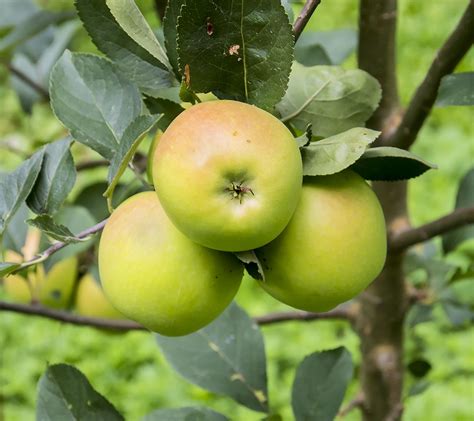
341,121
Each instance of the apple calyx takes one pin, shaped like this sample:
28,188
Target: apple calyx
238,190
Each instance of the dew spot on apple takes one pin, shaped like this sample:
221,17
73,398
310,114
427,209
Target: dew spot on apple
248,141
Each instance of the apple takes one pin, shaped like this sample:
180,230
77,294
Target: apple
333,248
228,175
155,275
56,289
91,301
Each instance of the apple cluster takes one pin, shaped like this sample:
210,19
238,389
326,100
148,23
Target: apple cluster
228,178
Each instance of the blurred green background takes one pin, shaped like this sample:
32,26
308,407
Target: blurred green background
129,369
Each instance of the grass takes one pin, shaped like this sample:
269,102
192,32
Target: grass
129,369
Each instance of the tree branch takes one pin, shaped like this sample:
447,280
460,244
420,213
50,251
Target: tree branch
126,325
357,402
447,58
408,238
304,17
26,79
59,245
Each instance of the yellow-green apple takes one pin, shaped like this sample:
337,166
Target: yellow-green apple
91,301
332,249
155,275
58,285
228,175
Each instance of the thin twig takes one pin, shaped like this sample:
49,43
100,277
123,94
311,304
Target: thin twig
410,237
357,402
26,79
304,17
126,325
450,54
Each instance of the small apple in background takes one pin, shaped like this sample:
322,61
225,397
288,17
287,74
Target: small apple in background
228,175
155,275
91,301
333,248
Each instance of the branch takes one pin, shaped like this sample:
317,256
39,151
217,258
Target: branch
126,325
26,79
450,54
408,238
304,17
357,402
59,245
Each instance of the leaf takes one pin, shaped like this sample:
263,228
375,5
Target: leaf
16,186
94,100
131,138
14,236
186,413
335,153
55,180
169,108
419,367
237,49
8,267
456,89
226,357
418,388
28,28
320,384
390,164
419,313
15,12
64,393
328,47
464,199
252,264
459,314
133,59
170,25
54,230
330,98
131,20
306,137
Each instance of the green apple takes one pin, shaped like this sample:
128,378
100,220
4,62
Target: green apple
333,248
228,175
91,301
155,275
56,289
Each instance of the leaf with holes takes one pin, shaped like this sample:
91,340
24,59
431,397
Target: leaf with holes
55,180
226,357
94,100
131,138
64,393
16,186
237,49
149,73
54,230
320,384
330,98
390,164
335,153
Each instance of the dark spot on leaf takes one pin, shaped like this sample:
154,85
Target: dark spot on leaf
209,27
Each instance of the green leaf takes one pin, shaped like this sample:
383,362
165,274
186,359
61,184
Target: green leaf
133,59
252,264
330,98
225,357
168,108
131,20
418,388
328,47
94,100
64,393
456,89
16,11
7,267
464,199
390,164
54,230
187,413
419,367
237,49
16,186
419,313
459,314
335,153
34,24
131,138
55,180
320,384
14,236
77,219
306,137
170,25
